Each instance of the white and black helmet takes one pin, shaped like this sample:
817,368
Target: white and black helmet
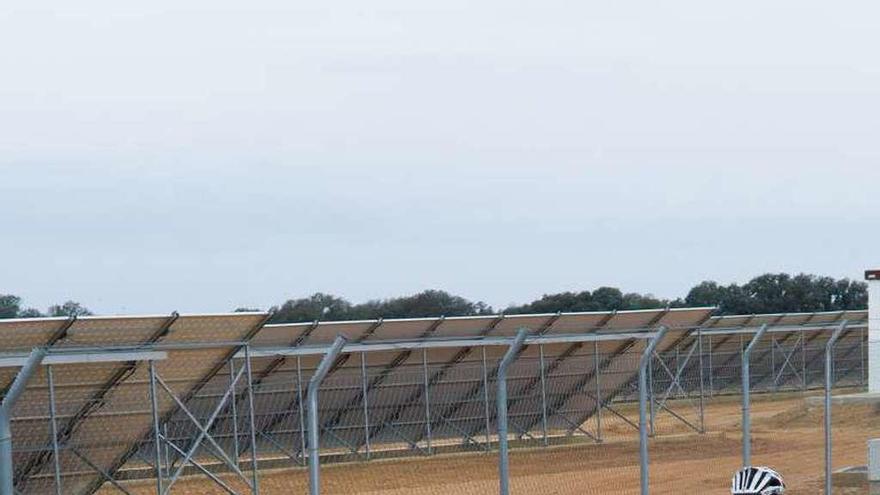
757,481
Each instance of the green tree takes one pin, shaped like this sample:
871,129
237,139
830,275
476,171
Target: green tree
9,306
69,308
318,306
30,313
424,304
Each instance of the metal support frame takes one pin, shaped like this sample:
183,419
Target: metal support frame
543,393
598,391
314,427
501,405
675,383
7,485
302,414
187,457
829,377
427,394
787,355
746,398
233,409
366,404
702,383
154,412
53,424
644,362
255,483
485,401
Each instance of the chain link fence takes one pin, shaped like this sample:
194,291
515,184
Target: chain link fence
424,421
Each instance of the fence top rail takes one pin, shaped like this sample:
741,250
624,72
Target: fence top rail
18,360
447,343
823,327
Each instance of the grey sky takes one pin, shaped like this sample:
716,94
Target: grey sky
198,155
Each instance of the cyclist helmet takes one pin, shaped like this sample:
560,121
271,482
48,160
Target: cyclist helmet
757,481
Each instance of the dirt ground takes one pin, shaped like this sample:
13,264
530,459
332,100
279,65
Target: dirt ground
787,435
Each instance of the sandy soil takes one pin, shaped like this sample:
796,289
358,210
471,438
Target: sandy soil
787,436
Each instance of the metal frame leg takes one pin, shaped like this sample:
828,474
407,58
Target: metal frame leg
53,418
598,375
427,394
486,400
154,411
234,411
364,392
702,384
543,394
302,414
255,482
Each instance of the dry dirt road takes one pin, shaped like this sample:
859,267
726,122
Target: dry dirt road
787,435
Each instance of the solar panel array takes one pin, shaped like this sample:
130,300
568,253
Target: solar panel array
102,408
105,421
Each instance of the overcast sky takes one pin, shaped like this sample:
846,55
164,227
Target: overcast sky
201,155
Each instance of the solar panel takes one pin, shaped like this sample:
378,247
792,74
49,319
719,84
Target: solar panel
102,412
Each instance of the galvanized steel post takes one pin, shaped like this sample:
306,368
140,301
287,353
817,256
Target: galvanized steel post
829,378
30,367
644,362
312,398
501,405
746,398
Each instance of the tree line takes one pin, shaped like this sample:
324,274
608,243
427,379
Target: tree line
768,293
11,307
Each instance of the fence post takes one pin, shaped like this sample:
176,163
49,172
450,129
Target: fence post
501,406
312,397
829,377
14,392
644,362
746,398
